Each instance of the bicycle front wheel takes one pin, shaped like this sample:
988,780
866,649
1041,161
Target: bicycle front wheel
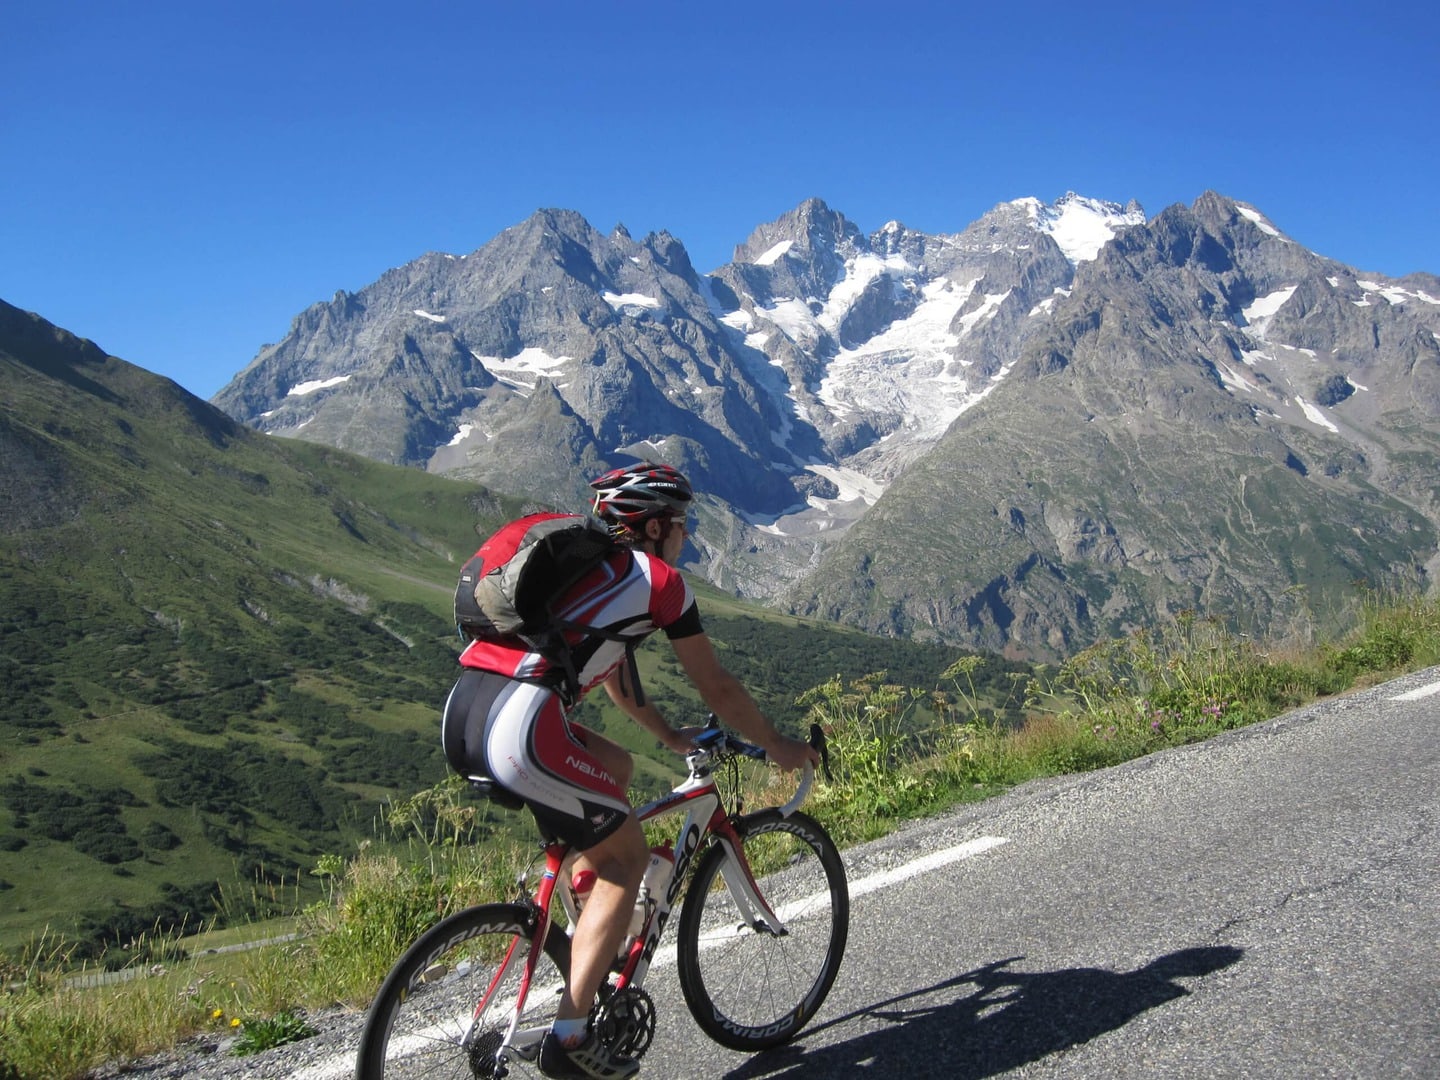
445,1007
747,987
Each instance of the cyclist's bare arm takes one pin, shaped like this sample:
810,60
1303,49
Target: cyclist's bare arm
727,697
648,717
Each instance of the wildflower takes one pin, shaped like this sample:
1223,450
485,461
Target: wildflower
217,1014
235,1021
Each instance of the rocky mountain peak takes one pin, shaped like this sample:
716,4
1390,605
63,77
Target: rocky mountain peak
671,254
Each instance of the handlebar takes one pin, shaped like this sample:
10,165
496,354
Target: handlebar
715,740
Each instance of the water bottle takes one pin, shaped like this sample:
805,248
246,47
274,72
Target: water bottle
657,874
656,880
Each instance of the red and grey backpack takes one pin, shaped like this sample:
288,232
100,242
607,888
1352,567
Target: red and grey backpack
509,588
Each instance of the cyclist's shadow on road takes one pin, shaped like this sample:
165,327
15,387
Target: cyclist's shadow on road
1001,1020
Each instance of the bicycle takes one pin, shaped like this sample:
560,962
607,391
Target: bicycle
761,935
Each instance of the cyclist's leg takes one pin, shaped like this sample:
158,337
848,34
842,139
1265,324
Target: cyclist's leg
619,861
617,761
614,757
531,749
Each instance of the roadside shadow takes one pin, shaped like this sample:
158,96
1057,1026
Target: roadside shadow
1001,1020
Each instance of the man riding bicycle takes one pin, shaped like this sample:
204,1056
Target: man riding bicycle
505,720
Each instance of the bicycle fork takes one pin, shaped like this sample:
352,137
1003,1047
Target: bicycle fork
754,909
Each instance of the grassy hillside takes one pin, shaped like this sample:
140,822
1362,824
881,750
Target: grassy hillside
221,654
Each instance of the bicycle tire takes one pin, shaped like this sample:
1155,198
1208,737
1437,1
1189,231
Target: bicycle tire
417,1023
749,989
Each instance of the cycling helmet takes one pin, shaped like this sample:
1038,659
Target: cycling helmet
628,496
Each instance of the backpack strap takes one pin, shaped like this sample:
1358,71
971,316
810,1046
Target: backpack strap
563,654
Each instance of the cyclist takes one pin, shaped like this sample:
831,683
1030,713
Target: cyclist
506,719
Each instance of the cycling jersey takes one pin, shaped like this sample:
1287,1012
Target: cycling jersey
632,594
505,718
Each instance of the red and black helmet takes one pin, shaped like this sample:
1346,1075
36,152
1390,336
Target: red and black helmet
630,495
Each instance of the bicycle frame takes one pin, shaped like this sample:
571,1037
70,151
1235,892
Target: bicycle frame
705,816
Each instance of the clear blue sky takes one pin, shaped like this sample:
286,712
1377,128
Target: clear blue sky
178,180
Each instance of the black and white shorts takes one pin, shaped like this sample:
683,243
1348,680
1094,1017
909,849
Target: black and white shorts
517,734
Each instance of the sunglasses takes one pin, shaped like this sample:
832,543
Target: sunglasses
688,522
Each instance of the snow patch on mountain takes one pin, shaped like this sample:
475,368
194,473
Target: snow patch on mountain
773,255
1259,220
621,301
1314,415
301,389
794,319
851,484
1233,380
992,303
1394,294
743,323
855,493
905,370
860,272
1262,308
1044,306
523,370
1079,225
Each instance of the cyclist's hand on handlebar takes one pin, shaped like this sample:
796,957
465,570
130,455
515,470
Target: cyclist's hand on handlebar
793,754
682,741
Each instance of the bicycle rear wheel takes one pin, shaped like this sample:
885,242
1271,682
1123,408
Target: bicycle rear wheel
445,1006
748,988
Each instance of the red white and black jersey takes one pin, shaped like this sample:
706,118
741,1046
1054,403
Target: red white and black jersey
632,594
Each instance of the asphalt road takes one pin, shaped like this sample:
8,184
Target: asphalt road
1265,904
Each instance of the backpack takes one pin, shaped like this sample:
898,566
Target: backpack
510,586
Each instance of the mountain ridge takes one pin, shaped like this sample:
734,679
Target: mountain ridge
801,381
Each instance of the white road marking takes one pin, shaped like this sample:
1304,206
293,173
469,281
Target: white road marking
1418,693
924,865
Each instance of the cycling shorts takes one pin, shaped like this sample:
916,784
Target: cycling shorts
516,733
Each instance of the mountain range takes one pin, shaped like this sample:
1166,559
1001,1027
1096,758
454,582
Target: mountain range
1061,423
222,651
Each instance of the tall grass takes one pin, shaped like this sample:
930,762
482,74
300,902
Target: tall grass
1181,682
898,752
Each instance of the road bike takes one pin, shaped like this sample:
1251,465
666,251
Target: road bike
762,930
